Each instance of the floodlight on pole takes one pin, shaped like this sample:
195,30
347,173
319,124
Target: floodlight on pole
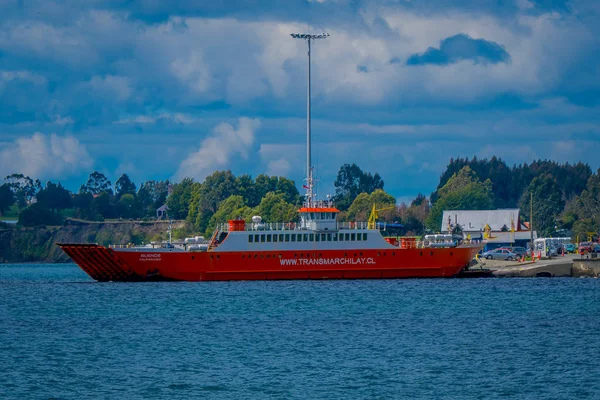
309,178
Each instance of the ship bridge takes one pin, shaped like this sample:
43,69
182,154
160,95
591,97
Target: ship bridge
319,216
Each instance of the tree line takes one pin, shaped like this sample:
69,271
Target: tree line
566,197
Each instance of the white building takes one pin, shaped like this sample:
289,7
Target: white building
499,228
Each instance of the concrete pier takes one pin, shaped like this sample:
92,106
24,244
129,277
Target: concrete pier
584,267
554,267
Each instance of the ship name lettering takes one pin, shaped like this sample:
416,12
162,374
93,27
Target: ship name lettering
328,261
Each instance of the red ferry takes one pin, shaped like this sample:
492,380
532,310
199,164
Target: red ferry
318,247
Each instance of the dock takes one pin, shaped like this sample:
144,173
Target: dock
567,266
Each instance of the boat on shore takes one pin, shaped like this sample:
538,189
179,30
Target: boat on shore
318,246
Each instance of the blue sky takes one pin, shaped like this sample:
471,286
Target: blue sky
172,89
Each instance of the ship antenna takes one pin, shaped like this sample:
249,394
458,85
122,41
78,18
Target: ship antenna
309,170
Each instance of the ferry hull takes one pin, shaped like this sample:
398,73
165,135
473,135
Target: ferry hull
133,265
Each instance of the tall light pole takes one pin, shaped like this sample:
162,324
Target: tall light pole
309,178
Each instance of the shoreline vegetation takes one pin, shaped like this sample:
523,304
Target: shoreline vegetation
566,202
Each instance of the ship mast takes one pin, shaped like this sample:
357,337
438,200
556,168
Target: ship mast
309,170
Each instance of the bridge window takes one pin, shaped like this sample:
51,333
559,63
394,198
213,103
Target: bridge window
312,237
268,238
317,237
358,236
275,238
353,236
262,238
287,237
250,237
281,237
364,236
341,237
329,237
323,237
312,215
255,238
335,237
347,237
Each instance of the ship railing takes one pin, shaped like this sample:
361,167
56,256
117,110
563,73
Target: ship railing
319,204
291,226
353,225
264,226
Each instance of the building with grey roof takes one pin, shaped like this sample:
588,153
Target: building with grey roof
506,226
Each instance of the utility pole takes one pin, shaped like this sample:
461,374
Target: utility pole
531,220
309,178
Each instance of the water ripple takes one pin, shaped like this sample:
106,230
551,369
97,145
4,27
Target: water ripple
62,336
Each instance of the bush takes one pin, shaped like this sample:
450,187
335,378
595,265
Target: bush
36,215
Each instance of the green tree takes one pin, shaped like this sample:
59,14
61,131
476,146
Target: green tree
102,206
231,208
124,185
54,197
97,183
7,198
179,200
463,191
583,227
274,208
547,203
206,197
24,188
152,195
352,181
245,188
126,207
82,203
37,215
362,205
420,199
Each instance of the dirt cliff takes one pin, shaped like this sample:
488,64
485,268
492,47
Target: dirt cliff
38,244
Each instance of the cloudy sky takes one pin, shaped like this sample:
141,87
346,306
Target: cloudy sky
180,88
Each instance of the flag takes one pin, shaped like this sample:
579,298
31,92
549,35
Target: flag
305,187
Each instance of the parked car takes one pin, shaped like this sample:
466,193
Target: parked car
520,251
570,248
586,247
500,254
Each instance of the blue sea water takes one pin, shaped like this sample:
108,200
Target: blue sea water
65,336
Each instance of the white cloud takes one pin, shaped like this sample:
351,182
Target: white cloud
115,87
280,167
216,150
27,76
44,156
60,120
178,118
192,70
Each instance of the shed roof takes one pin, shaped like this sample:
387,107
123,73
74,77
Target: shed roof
475,220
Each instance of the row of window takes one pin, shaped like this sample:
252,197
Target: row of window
307,237
326,215
315,255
